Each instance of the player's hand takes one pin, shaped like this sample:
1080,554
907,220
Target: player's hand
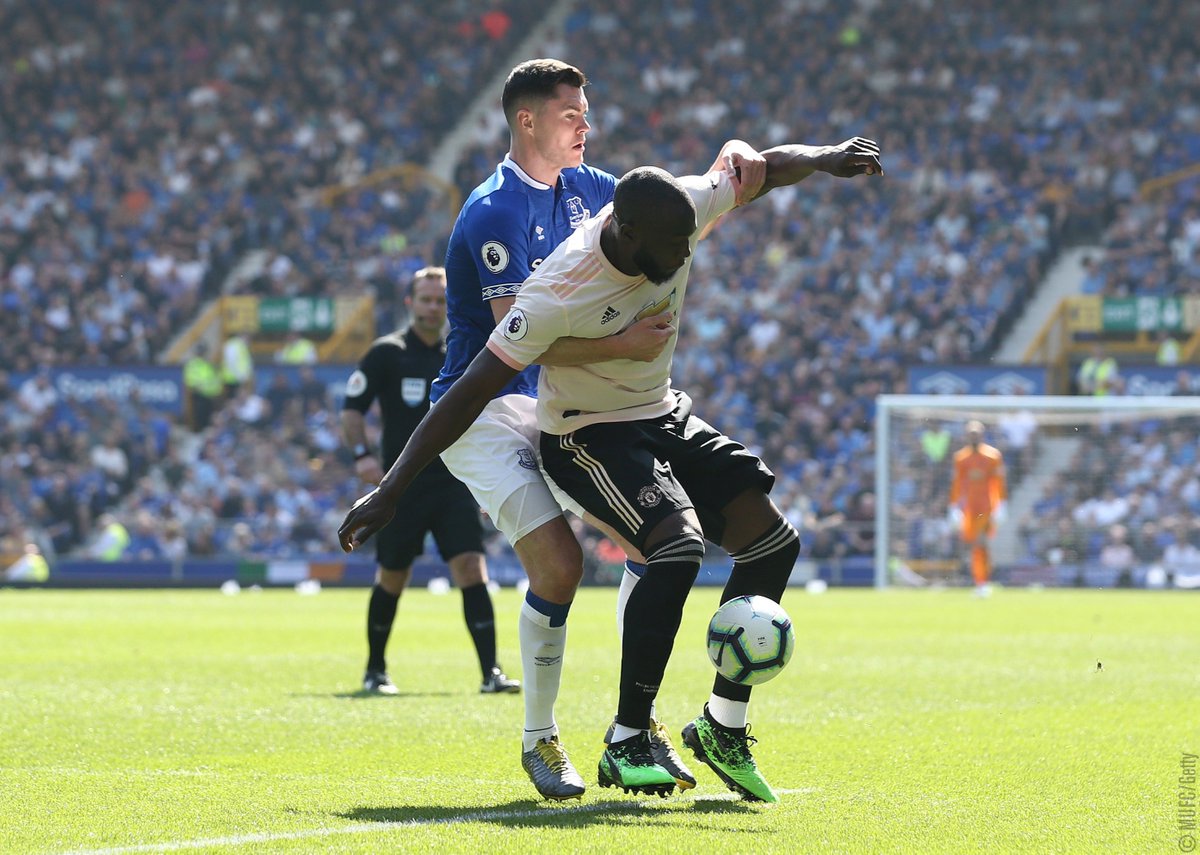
1000,512
368,515
645,340
368,469
749,171
857,156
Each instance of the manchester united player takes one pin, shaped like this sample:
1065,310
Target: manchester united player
645,454
539,194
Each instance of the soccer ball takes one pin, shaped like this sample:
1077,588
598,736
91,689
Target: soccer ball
750,639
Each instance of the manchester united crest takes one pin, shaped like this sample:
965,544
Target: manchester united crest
650,496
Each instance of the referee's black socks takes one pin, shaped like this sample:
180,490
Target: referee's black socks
381,612
481,623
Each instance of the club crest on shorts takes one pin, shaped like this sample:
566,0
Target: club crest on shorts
525,459
515,325
650,496
495,256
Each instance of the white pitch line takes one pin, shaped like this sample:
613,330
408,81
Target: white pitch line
391,825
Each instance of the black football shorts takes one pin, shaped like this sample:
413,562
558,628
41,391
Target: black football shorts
448,510
633,475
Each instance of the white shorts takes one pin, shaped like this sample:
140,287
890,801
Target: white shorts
497,458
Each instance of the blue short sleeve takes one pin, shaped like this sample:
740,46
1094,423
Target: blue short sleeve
497,238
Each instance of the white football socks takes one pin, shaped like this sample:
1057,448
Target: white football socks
621,732
728,713
542,649
629,581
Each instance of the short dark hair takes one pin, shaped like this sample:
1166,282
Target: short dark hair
644,192
424,273
536,80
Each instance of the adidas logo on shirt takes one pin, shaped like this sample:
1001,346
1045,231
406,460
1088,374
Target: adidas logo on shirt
609,314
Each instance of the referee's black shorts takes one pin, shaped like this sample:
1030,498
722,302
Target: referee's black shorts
633,475
446,508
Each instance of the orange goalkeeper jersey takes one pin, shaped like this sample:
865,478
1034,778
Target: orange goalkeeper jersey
978,484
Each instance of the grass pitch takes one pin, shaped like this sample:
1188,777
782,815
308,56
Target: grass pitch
151,721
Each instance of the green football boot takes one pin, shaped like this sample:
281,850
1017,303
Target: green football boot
629,764
664,753
726,751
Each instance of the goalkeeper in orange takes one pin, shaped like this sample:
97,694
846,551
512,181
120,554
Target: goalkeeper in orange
978,495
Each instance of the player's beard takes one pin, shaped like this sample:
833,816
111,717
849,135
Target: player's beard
425,325
650,269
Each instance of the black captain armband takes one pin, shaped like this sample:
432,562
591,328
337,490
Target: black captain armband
361,451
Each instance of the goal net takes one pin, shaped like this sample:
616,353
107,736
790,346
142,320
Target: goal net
1101,491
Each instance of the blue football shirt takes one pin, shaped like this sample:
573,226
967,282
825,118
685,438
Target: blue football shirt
509,224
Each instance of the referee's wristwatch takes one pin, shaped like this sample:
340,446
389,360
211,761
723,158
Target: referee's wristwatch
361,451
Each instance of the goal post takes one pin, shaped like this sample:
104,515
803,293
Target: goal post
1122,457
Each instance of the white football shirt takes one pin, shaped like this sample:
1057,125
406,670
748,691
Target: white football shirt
577,292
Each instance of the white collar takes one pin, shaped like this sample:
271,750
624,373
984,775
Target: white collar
522,174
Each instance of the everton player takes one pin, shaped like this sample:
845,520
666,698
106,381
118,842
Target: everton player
647,464
538,195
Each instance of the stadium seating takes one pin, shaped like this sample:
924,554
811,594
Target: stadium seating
146,152
1155,496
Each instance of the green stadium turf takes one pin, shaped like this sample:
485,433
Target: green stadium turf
152,721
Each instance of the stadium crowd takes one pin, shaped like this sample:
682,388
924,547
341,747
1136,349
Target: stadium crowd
1152,247
149,146
1145,518
146,146
1022,132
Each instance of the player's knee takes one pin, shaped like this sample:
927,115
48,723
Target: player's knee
554,581
552,560
681,524
554,569
683,549
468,569
746,517
778,546
393,581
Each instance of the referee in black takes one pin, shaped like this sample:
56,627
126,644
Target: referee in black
398,370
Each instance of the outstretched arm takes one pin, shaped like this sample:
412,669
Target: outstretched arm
746,164
789,164
445,422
